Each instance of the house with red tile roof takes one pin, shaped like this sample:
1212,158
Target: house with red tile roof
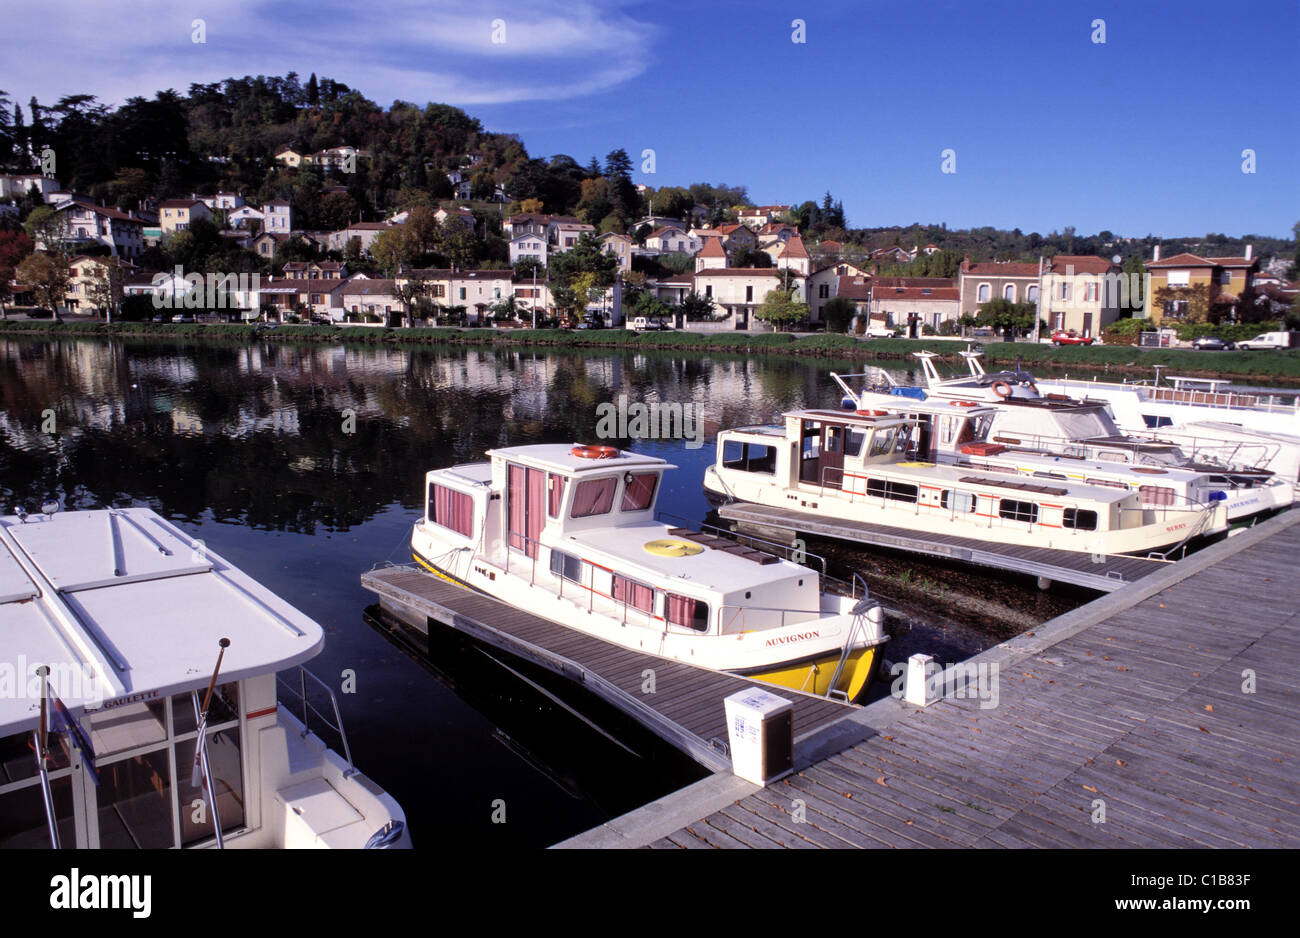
986,280
1079,293
895,301
87,223
1178,282
711,256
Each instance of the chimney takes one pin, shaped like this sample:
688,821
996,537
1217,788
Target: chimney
1157,256
1250,251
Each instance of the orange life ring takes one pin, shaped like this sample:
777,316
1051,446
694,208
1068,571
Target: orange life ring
1001,389
965,404
594,452
872,413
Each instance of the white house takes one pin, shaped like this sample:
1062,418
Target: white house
528,245
277,217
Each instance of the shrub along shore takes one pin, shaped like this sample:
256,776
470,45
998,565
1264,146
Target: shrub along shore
1271,365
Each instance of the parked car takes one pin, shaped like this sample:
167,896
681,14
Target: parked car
1070,337
1271,340
1212,343
182,317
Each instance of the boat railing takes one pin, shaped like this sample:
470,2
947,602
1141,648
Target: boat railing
302,701
790,552
759,617
1225,400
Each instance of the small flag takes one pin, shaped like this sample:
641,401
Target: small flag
68,724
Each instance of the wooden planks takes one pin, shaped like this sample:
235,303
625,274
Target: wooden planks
685,708
1172,722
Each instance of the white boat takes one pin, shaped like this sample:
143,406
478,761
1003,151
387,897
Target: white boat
569,534
958,433
1208,417
855,466
128,615
1027,418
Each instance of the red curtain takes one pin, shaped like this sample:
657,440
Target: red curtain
453,510
633,593
536,499
638,493
516,485
593,497
681,610
556,495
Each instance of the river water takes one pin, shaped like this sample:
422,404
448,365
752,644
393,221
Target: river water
304,466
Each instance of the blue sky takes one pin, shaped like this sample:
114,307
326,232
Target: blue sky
1140,134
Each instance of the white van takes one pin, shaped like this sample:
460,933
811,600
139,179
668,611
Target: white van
1270,340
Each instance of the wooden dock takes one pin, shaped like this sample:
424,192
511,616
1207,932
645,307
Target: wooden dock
685,708
1104,573
1166,714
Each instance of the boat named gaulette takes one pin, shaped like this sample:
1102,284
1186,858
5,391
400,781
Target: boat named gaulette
128,615
855,466
569,533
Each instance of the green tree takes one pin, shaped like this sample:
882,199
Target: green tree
838,312
48,275
780,309
1001,313
696,308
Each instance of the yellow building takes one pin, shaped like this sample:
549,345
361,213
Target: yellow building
179,214
1184,287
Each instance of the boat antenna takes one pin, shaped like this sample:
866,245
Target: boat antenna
201,775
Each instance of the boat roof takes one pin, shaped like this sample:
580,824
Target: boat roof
622,549
852,416
913,405
122,607
558,457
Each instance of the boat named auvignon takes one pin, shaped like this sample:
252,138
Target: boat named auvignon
569,533
854,465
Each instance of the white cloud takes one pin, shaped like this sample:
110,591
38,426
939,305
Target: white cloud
410,49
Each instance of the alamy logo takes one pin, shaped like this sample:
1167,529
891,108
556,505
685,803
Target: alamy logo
215,291
18,680
966,680
653,421
105,891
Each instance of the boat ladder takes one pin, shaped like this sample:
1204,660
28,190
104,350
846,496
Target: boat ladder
859,613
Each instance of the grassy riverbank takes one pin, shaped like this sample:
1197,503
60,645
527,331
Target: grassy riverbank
1271,365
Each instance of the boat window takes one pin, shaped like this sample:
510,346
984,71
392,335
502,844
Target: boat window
749,457
566,565
1157,494
1153,421
134,800
451,509
887,488
593,497
853,441
1041,474
1104,456
958,501
1108,483
1080,519
227,782
224,708
1018,511
834,439
687,612
634,594
22,809
882,441
128,726
639,492
555,495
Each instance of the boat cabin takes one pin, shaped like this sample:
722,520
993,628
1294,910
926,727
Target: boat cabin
127,613
581,522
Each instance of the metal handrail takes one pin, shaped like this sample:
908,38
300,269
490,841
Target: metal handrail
308,708
740,609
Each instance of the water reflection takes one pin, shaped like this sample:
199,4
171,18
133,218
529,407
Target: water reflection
291,438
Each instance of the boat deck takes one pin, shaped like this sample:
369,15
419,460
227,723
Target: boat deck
1064,566
1129,722
686,708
